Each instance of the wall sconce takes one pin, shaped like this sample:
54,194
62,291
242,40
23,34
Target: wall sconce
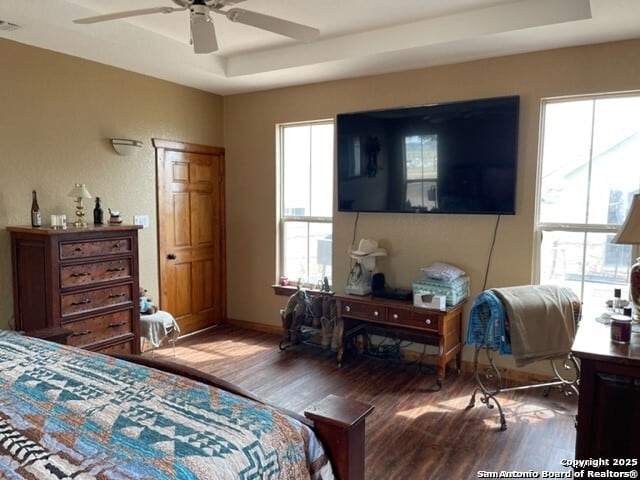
79,192
125,146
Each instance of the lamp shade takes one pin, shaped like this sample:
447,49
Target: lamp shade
79,191
629,233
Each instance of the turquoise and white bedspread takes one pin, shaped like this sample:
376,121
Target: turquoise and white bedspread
69,413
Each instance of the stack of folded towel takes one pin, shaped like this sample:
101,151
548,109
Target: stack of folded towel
443,279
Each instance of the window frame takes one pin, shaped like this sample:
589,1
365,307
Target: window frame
282,219
539,228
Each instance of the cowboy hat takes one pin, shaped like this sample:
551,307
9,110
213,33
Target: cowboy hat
367,248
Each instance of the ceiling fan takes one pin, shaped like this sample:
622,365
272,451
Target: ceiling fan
203,35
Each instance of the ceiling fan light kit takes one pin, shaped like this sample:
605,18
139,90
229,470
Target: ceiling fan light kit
203,35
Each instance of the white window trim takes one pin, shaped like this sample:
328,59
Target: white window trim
281,218
540,228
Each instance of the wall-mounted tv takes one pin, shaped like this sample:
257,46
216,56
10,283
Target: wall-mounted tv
458,157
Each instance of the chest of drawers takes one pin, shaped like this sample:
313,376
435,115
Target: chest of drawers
401,319
82,279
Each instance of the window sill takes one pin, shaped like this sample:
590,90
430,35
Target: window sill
289,290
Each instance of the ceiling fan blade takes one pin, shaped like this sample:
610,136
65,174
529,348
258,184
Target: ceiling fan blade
272,24
129,13
203,32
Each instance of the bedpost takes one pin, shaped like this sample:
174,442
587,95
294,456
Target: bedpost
340,424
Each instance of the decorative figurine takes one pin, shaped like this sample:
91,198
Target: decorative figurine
114,217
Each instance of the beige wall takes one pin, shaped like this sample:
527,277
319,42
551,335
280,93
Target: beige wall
412,241
56,116
57,113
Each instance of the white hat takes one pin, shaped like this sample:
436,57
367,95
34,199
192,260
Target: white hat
367,248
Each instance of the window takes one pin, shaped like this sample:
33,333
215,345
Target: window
589,172
305,152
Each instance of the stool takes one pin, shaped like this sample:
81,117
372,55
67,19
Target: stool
154,328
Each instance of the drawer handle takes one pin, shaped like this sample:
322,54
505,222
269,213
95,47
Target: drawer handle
78,249
116,246
347,308
376,313
116,325
81,274
81,302
80,334
395,316
111,270
428,321
116,295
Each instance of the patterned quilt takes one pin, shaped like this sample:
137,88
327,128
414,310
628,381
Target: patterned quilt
69,413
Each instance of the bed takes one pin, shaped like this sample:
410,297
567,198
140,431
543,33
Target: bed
71,413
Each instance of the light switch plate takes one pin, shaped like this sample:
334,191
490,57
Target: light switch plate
141,220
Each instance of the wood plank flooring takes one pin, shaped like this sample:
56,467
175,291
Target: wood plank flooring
415,431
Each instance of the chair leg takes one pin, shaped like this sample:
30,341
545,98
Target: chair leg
171,334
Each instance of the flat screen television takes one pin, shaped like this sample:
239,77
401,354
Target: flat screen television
458,157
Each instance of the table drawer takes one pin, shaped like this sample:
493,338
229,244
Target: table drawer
88,273
414,319
365,311
95,248
89,300
100,328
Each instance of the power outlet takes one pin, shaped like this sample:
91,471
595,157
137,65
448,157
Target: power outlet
141,220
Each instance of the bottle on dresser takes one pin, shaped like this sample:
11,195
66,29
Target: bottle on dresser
36,217
98,214
617,301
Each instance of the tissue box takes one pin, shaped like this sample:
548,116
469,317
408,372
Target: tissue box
427,300
454,291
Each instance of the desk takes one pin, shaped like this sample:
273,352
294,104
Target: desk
608,407
399,318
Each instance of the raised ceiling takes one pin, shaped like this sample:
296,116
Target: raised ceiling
357,37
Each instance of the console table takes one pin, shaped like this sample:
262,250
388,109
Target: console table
399,318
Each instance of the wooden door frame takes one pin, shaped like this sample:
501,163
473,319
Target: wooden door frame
161,146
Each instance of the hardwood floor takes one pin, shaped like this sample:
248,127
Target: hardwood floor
415,431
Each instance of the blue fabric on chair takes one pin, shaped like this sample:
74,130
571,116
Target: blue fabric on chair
487,323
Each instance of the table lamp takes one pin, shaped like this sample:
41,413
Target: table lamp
79,192
629,234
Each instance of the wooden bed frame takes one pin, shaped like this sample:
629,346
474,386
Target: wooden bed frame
338,422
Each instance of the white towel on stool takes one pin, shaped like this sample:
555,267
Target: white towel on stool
157,326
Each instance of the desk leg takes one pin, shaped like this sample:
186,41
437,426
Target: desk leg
339,335
441,362
346,333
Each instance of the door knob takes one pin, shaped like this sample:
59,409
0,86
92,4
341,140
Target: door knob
171,256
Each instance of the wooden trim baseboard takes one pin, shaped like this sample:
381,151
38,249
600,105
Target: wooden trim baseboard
255,326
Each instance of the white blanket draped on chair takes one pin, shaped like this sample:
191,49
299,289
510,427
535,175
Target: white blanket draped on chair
156,327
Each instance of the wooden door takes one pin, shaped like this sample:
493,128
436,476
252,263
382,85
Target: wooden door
191,233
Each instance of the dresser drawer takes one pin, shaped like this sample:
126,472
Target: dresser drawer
100,328
365,311
95,248
88,273
413,319
89,300
125,347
